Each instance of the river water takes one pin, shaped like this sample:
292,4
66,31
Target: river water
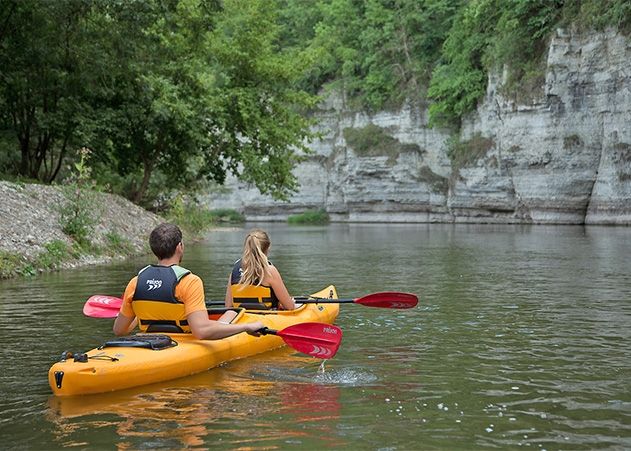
522,339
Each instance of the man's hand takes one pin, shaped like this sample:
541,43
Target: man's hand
254,328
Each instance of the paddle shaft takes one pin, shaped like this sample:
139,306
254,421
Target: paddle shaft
305,300
299,300
386,299
267,331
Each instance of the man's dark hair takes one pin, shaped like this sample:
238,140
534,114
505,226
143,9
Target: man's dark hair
164,239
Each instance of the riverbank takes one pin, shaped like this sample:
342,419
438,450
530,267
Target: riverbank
32,238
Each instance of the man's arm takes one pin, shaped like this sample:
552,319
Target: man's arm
207,329
124,324
126,321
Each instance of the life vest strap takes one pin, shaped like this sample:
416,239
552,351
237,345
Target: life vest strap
252,294
160,325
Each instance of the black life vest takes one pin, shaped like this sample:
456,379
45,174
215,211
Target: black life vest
258,296
154,301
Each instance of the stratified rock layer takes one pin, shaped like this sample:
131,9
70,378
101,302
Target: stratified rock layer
563,156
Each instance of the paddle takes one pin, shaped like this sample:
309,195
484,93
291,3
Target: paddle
101,306
315,339
386,299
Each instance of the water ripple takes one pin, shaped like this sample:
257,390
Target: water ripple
520,340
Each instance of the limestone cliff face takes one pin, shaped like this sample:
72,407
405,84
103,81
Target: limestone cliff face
564,157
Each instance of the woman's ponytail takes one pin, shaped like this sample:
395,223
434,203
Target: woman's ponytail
254,264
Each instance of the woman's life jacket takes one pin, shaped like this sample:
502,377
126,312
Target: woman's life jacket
154,301
261,295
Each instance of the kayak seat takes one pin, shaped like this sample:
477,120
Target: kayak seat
168,327
148,341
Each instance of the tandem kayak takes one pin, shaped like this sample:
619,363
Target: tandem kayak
155,357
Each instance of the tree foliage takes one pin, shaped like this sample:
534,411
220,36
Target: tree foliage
253,103
160,89
169,94
460,78
45,98
382,52
377,51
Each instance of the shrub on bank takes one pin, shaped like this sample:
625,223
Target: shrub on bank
81,212
56,253
10,265
118,245
227,215
193,218
310,217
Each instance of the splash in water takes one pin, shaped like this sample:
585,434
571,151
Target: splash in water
345,377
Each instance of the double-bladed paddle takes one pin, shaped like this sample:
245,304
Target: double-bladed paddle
102,306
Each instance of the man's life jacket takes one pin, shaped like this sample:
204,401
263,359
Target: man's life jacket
256,296
154,301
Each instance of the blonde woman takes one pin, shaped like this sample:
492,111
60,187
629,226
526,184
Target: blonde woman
254,280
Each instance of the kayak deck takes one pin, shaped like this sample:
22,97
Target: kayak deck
116,368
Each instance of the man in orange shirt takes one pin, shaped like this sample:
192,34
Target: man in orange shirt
169,298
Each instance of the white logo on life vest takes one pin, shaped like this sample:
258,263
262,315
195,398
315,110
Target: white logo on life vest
154,284
329,330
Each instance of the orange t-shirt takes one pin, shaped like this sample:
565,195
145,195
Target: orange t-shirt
189,290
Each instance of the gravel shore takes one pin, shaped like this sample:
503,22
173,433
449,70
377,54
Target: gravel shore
29,219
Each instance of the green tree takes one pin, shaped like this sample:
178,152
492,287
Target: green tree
376,51
460,79
337,40
158,89
45,80
153,115
203,90
258,118
400,45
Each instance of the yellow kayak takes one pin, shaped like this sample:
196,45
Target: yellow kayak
118,366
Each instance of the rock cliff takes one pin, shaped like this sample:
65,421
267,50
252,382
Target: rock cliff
561,156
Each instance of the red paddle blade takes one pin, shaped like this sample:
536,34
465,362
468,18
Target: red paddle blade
389,299
316,339
101,306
